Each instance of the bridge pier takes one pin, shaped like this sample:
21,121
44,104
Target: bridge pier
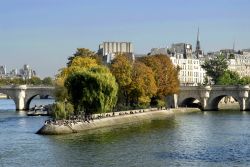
19,97
204,94
243,104
172,101
243,94
247,104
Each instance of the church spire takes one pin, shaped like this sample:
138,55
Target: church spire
198,51
234,45
198,47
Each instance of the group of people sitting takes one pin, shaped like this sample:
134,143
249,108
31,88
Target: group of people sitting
89,117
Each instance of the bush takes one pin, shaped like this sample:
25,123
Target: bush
61,110
58,111
69,109
160,103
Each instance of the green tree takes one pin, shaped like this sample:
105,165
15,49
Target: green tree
229,78
92,90
4,81
61,93
245,80
215,68
17,81
62,110
58,111
34,81
78,64
83,52
47,81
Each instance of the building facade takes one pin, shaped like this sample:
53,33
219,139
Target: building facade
191,73
240,64
156,51
109,49
183,49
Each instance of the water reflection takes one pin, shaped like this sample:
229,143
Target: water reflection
110,134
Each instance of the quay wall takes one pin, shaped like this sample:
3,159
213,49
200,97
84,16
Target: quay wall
119,119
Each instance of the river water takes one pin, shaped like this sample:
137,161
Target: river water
198,139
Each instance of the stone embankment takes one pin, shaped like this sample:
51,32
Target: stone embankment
109,120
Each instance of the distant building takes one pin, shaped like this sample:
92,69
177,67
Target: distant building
156,51
191,73
246,50
3,71
109,49
237,61
181,54
13,73
189,62
25,73
240,64
182,49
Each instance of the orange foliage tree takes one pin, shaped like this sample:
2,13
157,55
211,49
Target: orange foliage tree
121,68
151,77
166,74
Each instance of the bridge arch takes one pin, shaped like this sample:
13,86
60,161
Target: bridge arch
32,94
238,92
11,95
191,102
213,102
187,97
210,96
8,101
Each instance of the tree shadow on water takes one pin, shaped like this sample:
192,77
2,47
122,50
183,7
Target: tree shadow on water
121,132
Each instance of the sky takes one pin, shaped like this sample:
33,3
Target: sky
44,33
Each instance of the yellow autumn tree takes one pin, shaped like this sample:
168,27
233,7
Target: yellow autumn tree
78,64
121,68
143,86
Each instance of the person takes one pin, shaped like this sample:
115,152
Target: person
35,108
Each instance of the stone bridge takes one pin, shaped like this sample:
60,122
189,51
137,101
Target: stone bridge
23,94
210,96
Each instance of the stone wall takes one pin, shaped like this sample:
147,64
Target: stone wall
117,120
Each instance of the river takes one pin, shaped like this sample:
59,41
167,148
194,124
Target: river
198,139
